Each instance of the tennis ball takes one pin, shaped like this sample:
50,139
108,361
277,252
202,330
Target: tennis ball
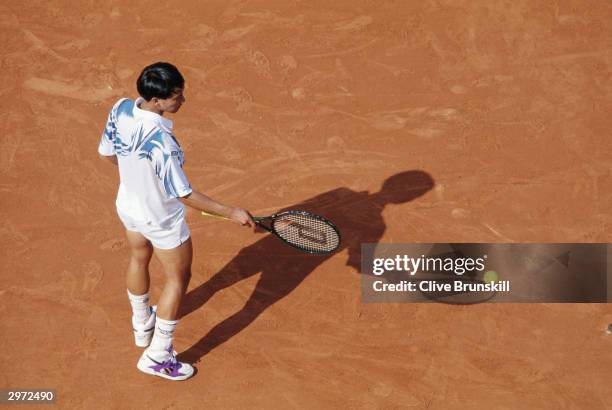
490,276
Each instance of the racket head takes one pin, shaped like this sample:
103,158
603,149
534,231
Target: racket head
306,231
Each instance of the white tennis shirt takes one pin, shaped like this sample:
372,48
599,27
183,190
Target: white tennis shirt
150,163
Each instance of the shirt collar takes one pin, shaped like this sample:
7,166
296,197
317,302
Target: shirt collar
156,118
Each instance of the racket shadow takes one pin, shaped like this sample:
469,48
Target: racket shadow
358,216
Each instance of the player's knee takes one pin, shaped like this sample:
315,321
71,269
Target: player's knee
140,263
140,259
141,253
180,277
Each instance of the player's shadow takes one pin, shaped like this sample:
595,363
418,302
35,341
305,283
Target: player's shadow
358,216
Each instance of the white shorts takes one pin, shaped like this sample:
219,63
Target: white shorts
161,238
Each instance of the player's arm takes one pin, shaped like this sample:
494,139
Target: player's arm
110,158
201,202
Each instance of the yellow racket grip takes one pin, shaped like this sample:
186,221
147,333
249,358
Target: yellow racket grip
214,215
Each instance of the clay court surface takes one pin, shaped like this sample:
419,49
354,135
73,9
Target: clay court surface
504,105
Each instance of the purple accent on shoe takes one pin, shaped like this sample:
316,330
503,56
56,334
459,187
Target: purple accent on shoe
170,367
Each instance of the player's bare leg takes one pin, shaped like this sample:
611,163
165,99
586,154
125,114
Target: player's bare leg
177,266
141,251
160,359
137,280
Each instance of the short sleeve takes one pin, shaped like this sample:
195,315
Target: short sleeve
107,141
175,181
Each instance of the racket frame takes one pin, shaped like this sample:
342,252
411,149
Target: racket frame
260,219
305,213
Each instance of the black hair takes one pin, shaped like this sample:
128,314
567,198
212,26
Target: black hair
159,80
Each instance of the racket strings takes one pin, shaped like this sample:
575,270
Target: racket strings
307,232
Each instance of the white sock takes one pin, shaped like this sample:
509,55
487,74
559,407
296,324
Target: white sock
162,338
140,306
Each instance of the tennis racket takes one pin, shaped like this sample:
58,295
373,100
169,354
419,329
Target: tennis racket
301,229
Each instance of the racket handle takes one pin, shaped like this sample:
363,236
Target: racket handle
210,215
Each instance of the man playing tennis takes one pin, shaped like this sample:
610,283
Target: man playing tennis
153,188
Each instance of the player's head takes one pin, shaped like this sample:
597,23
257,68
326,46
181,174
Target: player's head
405,186
164,83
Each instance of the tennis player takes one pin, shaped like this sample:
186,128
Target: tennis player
150,203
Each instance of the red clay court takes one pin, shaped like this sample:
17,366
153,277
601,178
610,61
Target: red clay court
505,106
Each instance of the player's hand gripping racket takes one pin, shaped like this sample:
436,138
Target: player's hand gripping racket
301,229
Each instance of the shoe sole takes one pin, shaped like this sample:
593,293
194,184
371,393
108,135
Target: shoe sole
147,370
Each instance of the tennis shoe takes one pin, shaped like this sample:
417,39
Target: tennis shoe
167,366
143,332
